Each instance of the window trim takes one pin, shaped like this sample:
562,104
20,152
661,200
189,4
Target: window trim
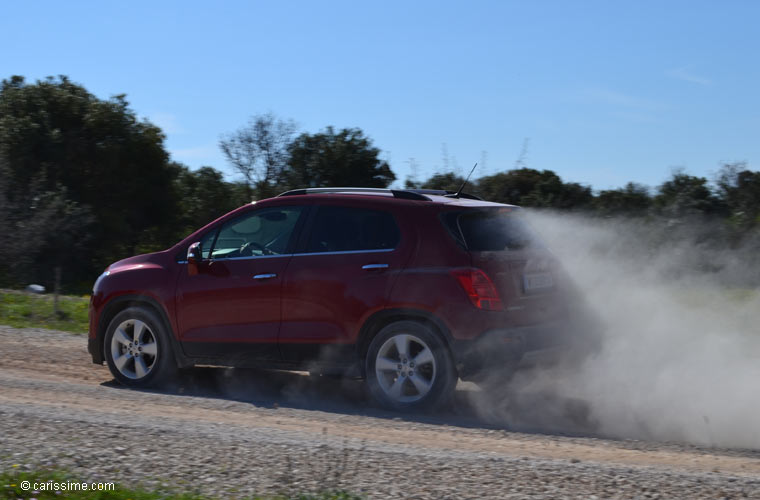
346,252
304,254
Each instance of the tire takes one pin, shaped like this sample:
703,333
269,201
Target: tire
409,368
138,350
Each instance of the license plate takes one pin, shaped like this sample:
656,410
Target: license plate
538,281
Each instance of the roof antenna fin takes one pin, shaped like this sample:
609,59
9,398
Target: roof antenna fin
461,188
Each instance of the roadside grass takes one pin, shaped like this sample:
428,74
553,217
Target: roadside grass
734,297
11,489
28,310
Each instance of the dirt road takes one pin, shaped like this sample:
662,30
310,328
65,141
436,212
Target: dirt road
236,432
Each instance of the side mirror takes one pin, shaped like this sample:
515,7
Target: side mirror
194,257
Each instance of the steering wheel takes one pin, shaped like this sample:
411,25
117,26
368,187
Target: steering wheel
247,249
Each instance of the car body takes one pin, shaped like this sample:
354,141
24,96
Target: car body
409,289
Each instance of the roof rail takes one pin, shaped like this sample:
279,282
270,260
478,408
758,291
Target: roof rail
448,194
405,194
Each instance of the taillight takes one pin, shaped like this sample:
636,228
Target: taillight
479,287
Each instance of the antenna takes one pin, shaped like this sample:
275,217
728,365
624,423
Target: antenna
465,182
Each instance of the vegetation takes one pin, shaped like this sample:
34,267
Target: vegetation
26,310
259,152
11,489
84,182
84,178
271,160
333,158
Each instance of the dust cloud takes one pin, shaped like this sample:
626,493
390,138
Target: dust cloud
680,357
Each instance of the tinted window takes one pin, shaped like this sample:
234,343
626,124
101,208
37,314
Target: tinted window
342,229
490,230
262,232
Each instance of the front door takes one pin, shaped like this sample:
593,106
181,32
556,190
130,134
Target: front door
231,308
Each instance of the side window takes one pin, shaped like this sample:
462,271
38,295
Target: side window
261,232
342,229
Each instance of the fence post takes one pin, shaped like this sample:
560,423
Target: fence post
56,289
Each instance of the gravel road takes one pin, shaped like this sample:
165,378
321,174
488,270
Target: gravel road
230,433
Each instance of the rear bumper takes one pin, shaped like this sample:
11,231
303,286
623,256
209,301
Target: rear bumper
505,350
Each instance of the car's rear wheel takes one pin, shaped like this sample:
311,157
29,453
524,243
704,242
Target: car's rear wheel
138,350
409,367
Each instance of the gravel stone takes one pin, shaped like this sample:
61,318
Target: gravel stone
230,434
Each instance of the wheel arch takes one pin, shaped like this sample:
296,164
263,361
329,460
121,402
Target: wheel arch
119,304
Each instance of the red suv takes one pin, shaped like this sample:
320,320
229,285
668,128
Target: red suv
409,289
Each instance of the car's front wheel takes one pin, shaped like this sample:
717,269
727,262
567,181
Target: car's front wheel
138,350
409,367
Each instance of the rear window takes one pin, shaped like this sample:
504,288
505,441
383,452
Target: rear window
490,230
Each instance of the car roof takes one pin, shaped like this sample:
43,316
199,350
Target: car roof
419,196
466,202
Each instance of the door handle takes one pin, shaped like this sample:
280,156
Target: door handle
370,267
265,276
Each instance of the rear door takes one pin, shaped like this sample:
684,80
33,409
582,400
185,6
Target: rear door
341,274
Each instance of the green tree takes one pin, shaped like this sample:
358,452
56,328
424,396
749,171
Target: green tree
98,154
533,188
448,181
330,158
204,196
633,199
686,195
509,187
551,192
43,231
739,190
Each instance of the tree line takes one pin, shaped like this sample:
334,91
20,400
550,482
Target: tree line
85,182
734,194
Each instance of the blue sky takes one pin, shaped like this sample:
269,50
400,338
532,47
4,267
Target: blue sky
605,91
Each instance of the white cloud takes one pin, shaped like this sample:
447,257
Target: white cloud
684,74
621,99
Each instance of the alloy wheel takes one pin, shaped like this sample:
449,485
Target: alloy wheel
405,368
134,349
